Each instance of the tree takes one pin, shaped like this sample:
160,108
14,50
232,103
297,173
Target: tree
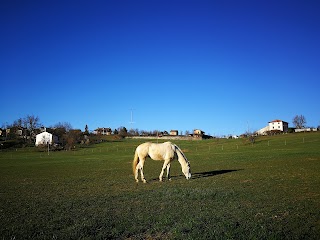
31,123
122,131
86,130
71,138
133,132
18,123
299,121
67,126
59,132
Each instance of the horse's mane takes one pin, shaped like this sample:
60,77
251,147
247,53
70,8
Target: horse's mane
180,151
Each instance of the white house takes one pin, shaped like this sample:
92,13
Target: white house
45,138
275,125
278,125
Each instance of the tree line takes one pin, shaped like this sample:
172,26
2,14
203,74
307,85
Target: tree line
23,131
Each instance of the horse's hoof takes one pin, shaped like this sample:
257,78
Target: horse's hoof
170,179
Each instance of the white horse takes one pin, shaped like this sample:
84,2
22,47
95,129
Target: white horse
162,151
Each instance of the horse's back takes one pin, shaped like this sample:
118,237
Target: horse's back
156,151
161,151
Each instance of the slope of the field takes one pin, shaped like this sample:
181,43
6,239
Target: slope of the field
239,190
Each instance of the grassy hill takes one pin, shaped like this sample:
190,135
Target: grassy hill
266,190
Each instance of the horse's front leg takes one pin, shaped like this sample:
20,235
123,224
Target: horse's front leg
162,170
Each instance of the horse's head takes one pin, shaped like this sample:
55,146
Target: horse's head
186,170
185,165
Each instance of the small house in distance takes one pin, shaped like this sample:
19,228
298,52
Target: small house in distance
198,133
45,138
174,133
102,131
275,126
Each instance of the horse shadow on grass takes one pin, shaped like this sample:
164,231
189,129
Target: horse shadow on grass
198,175
213,173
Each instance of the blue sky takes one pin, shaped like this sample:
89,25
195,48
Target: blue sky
221,66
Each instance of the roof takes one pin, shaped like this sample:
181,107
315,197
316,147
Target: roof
277,120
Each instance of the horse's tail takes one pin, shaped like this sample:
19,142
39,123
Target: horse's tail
135,162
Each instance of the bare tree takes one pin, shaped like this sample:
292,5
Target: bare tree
133,132
299,121
31,123
67,126
18,123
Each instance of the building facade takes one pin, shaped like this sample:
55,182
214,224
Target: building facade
45,138
278,125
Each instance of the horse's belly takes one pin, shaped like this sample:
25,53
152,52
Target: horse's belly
156,156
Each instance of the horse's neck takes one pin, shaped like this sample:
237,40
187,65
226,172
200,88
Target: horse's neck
181,158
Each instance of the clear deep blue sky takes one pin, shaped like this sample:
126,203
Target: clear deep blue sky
221,66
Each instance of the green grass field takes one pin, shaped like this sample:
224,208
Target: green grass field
268,190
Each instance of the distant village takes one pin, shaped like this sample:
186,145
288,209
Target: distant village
62,135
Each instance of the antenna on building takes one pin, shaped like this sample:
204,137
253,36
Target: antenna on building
131,118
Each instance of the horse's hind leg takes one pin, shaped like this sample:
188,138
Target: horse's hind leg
136,173
168,171
140,166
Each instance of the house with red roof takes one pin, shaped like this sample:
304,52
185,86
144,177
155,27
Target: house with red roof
275,126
